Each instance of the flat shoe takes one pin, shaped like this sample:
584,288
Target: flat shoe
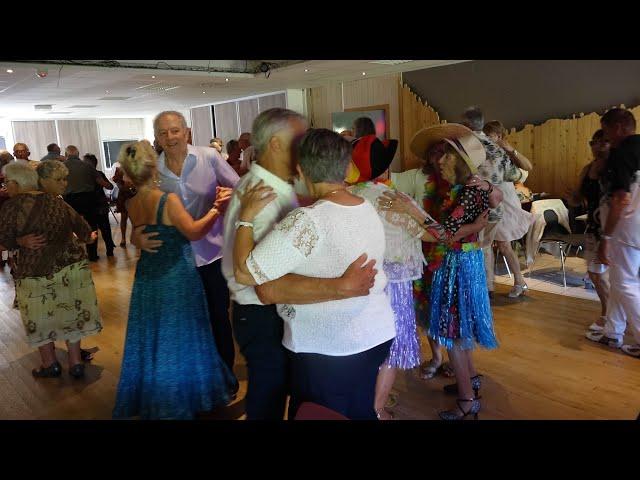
52,371
77,371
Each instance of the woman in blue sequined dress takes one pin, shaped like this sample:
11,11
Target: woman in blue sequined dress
171,368
459,303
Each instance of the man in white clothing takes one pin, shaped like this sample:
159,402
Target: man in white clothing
257,327
620,241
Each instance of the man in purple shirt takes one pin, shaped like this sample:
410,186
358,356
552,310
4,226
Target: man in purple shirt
193,173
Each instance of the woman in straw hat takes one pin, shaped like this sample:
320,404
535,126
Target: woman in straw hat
459,303
403,258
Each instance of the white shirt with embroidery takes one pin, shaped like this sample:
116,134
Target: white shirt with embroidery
322,241
403,258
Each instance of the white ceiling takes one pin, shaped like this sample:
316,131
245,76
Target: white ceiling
76,91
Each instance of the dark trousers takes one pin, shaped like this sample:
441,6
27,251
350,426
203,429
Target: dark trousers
345,384
258,330
105,230
86,205
215,287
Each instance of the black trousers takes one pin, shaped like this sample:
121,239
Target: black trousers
86,205
215,287
345,384
258,330
102,220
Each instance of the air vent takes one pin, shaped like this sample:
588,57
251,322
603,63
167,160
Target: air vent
43,107
391,62
83,106
114,98
158,87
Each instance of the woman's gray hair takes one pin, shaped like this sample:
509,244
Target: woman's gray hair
25,176
48,168
165,113
270,122
324,156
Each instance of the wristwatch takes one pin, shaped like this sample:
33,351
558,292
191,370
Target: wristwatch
239,224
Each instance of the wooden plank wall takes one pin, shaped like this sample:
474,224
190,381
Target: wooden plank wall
558,149
415,115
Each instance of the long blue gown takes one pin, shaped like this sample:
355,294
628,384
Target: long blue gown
171,368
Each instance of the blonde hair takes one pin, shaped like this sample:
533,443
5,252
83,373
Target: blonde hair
47,168
26,177
138,160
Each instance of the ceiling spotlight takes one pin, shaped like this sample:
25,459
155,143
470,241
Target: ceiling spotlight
364,73
106,91
153,76
306,70
9,70
204,92
226,79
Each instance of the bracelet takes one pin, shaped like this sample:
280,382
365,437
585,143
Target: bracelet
243,224
490,186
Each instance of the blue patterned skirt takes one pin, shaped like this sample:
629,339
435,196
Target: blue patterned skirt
460,311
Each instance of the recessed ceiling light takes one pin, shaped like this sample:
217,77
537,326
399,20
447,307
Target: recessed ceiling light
106,91
226,79
204,92
306,70
153,76
9,70
364,73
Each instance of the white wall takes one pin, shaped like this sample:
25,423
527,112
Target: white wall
296,101
7,133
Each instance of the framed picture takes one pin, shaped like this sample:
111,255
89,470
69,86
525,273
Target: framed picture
342,121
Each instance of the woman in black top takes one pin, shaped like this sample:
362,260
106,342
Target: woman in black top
588,193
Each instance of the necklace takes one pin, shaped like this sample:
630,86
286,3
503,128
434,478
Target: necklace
334,191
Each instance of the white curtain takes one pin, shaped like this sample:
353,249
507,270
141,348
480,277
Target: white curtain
201,131
83,134
37,135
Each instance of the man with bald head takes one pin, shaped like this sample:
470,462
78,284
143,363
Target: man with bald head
80,192
21,152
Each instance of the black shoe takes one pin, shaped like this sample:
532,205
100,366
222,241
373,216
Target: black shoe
86,355
77,371
110,253
94,259
53,370
476,383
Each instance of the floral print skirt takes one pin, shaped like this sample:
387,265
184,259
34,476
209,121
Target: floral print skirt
59,307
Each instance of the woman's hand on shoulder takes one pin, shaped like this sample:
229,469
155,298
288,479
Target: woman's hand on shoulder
254,199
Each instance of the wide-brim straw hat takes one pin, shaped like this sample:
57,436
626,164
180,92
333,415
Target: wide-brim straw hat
461,138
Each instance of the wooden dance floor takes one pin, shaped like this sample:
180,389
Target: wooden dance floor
544,369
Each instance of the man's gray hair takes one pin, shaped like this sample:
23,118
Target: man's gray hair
5,157
164,114
324,156
72,151
25,176
473,118
270,122
47,168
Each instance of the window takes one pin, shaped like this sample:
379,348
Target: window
112,151
3,144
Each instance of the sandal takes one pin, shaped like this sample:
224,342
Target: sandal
86,355
392,401
383,414
474,409
430,369
633,350
52,371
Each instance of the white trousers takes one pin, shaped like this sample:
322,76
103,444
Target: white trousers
624,292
